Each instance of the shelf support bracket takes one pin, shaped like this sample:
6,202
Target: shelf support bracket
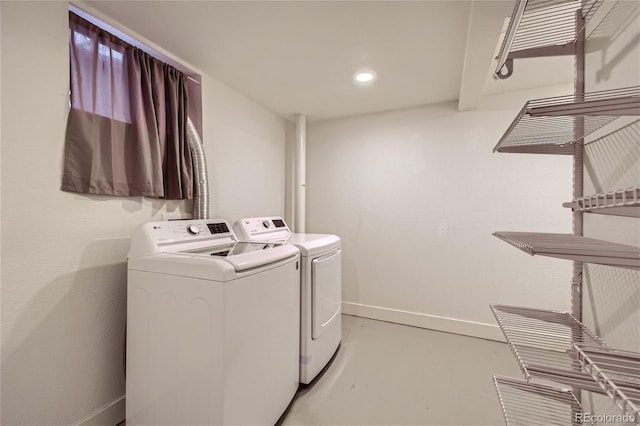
506,69
510,35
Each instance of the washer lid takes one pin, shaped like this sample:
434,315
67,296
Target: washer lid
215,265
243,256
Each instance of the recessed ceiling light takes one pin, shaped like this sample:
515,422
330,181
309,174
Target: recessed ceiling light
364,77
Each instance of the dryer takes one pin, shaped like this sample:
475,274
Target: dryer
212,326
320,288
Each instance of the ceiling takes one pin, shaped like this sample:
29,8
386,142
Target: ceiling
299,56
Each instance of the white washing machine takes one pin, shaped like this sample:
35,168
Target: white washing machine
320,288
212,326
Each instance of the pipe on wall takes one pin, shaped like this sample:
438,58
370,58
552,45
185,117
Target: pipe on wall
201,196
300,173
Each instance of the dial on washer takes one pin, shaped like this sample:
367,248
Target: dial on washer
193,229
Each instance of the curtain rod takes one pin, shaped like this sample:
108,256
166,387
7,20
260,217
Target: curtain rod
193,79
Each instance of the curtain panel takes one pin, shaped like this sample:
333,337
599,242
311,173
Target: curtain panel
127,126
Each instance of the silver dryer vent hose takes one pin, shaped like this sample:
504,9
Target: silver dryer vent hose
201,196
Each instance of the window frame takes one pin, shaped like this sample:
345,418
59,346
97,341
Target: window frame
194,79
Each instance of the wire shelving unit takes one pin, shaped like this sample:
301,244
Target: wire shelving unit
574,247
552,345
542,343
622,202
542,28
525,403
616,372
546,126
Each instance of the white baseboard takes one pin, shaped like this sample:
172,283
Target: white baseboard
431,322
110,415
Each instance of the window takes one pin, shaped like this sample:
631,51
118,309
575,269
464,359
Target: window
109,100
126,131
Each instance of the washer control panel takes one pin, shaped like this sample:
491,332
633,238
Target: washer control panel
189,230
172,235
261,229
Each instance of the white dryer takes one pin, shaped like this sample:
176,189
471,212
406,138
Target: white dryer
212,326
320,288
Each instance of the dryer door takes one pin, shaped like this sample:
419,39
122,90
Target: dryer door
326,291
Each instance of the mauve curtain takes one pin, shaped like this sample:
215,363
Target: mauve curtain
126,131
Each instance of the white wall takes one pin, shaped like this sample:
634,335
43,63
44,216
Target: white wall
415,196
64,255
245,149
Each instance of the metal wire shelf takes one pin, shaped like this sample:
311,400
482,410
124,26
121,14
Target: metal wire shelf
574,247
625,134
542,343
542,27
546,126
622,202
617,373
525,403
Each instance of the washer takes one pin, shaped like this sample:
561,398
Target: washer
212,326
320,288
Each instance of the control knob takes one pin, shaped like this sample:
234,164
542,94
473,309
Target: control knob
266,224
193,229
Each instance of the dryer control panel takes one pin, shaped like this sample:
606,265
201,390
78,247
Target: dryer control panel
261,229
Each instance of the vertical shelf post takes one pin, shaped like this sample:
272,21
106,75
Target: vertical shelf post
578,165
578,182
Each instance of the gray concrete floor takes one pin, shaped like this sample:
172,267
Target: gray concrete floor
390,374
